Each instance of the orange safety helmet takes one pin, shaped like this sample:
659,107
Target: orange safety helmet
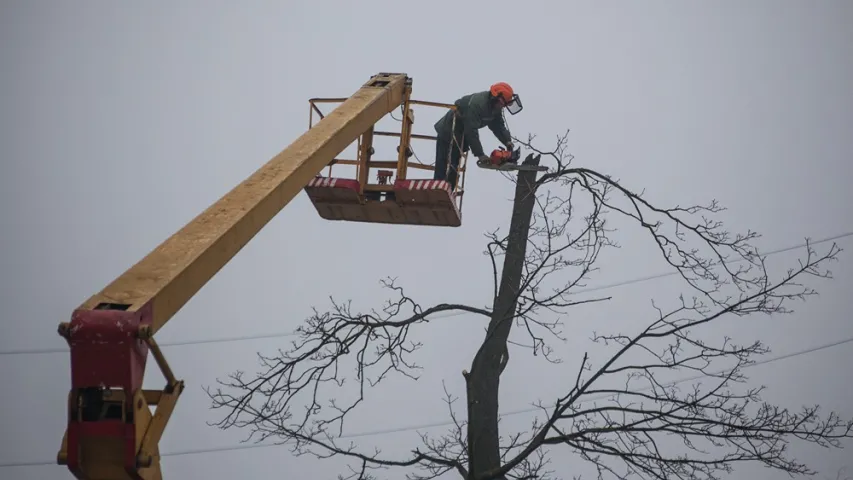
503,91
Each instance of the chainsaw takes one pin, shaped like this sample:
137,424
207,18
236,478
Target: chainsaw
503,159
501,155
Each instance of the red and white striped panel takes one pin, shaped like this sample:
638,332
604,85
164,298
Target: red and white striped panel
422,185
331,182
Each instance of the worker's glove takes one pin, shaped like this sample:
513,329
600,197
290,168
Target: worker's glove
509,146
484,159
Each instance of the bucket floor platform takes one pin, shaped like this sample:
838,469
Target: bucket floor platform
409,202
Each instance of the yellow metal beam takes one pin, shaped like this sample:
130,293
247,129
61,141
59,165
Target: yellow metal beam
177,269
405,137
365,154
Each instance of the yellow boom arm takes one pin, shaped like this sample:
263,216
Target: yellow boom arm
111,432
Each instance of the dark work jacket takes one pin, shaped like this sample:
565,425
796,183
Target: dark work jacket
475,112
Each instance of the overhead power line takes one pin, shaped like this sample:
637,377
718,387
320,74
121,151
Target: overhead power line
39,351
389,431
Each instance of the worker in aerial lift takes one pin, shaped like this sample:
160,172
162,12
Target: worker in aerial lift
473,112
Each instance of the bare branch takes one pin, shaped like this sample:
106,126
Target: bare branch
293,398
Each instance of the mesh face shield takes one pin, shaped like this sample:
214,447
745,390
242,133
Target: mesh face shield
514,106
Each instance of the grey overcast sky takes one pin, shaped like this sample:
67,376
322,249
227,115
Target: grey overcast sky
123,120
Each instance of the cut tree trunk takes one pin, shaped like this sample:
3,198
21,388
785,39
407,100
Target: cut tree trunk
484,379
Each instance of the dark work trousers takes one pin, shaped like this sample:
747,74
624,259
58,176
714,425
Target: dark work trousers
442,147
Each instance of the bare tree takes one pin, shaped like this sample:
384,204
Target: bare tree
617,414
